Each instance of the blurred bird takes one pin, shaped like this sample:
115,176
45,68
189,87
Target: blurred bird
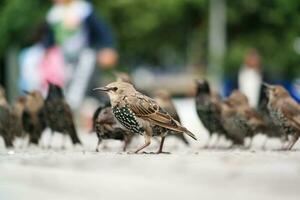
33,117
123,77
106,127
138,113
230,122
59,116
208,106
284,111
164,100
246,118
272,130
7,126
17,112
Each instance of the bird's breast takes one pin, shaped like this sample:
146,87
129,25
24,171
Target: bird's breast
128,119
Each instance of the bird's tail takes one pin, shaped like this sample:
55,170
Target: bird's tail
189,133
74,136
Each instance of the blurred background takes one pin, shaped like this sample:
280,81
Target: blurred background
167,43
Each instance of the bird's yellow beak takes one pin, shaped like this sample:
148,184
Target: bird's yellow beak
104,89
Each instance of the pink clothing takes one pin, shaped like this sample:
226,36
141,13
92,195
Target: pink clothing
52,67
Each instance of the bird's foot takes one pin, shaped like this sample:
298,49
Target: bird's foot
162,152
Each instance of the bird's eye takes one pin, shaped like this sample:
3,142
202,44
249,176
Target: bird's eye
115,89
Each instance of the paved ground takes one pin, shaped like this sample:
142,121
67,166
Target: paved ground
186,173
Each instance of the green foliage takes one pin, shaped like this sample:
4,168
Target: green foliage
17,19
174,32
269,26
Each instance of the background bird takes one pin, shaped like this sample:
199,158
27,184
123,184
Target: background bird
59,116
208,107
284,111
272,130
33,116
106,127
7,121
138,113
231,123
249,121
164,100
123,77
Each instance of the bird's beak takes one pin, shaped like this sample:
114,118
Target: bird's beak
266,85
104,89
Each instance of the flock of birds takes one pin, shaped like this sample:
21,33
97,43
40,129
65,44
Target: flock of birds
131,113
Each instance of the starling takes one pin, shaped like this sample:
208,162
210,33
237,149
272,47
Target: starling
272,130
17,113
33,117
59,116
284,111
137,112
246,118
231,123
106,127
7,120
208,106
164,100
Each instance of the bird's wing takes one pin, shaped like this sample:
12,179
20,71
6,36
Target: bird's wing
147,109
291,110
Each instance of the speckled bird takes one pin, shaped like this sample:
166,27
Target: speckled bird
59,116
106,127
272,130
137,112
208,107
33,117
284,111
247,119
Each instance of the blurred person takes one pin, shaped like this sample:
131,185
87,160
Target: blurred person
250,77
83,39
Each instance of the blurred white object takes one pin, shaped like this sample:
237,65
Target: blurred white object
29,62
250,81
11,152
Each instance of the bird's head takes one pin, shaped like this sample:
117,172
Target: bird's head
54,91
116,90
34,100
202,86
274,91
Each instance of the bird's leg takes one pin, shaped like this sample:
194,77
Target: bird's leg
206,146
63,144
147,143
264,144
161,145
285,142
126,142
250,143
217,141
50,140
99,142
294,140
